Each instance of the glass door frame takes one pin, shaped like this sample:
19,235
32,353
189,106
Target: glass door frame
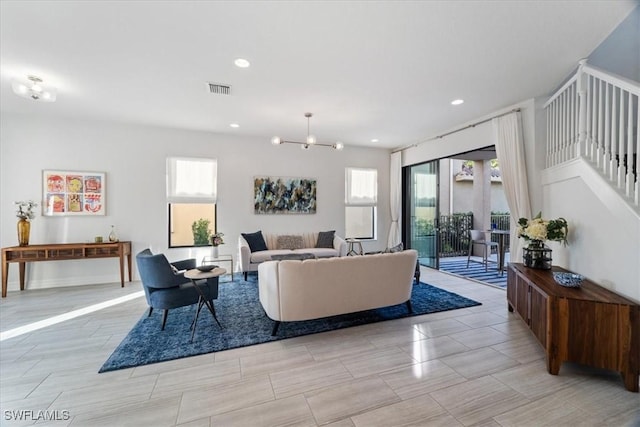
407,210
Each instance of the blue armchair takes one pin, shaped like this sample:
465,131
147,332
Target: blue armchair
165,288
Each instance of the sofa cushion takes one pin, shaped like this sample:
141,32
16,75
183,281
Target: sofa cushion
325,239
262,256
290,242
318,252
397,248
255,241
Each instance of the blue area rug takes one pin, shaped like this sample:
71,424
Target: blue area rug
245,323
475,271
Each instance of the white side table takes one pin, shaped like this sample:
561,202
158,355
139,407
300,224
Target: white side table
354,247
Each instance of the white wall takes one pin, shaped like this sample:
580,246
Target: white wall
133,158
604,232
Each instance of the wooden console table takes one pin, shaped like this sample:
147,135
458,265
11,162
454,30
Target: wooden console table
589,325
63,251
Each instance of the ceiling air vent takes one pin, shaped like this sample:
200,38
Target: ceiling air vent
219,89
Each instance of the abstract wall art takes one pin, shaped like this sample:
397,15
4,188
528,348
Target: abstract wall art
282,195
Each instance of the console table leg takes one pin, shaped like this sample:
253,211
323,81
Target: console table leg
5,272
129,265
122,271
553,366
21,268
630,381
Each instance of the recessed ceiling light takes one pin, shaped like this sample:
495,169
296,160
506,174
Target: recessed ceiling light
457,102
374,140
242,63
234,125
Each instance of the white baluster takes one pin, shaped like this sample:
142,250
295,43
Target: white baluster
614,135
637,180
607,133
600,126
621,142
582,109
628,188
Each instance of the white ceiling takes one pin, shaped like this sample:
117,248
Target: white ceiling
385,69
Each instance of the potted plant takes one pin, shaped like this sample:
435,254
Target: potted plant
536,231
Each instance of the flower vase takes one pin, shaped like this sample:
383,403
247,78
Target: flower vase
24,229
537,255
214,251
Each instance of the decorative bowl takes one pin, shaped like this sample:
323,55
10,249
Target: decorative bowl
570,280
206,267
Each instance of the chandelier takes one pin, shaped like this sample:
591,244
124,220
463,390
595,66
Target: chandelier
32,88
311,140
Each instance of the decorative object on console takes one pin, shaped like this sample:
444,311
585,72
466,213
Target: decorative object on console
309,141
569,280
537,231
26,214
32,88
73,193
277,195
113,236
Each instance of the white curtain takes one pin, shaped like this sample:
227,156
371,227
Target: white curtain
507,132
395,198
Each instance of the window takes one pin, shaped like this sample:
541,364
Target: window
191,195
361,198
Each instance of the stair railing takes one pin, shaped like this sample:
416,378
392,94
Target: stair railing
595,115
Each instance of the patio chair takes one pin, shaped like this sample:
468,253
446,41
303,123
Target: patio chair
479,237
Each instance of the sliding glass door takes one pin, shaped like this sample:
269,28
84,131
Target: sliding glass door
421,211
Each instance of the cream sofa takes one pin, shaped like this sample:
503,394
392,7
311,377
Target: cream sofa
315,288
249,261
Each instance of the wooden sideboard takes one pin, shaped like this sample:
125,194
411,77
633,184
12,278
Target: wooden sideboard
589,325
60,252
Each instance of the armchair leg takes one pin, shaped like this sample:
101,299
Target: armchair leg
245,276
409,306
150,311
165,312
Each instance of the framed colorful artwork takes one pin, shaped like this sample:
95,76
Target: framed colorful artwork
68,193
282,195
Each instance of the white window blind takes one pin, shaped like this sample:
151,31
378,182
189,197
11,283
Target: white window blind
192,180
361,187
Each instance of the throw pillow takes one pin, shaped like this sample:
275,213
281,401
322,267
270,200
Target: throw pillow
325,239
290,242
397,248
255,240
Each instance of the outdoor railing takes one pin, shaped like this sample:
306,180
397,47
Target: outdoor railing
454,233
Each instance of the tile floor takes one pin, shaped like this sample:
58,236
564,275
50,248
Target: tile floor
477,366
